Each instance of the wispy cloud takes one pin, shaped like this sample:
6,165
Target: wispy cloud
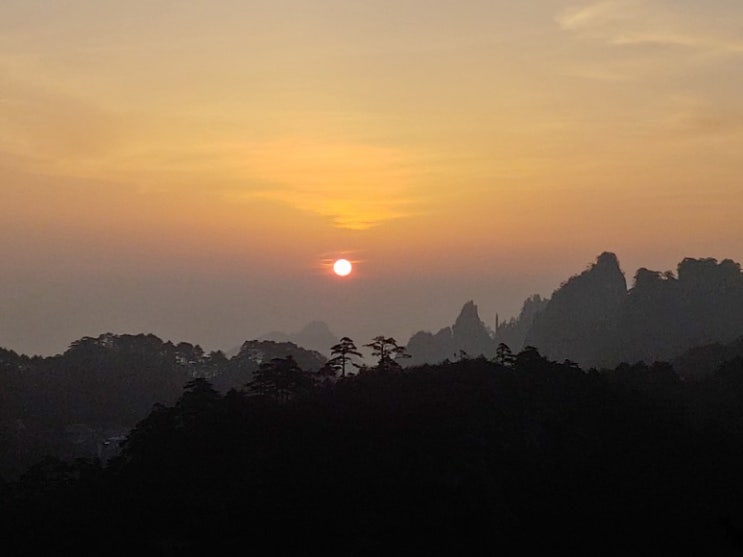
356,186
649,23
44,122
592,15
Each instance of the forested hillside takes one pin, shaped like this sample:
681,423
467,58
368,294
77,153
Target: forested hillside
524,455
74,404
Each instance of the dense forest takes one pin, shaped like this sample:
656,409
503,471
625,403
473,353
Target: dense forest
517,452
81,402
130,444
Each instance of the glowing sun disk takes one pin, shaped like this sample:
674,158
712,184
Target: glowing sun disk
342,267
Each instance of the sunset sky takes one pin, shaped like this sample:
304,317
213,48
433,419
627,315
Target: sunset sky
190,168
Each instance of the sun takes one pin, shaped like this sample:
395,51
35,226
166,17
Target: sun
342,267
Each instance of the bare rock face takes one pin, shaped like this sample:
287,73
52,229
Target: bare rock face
470,334
467,337
581,320
513,332
592,318
665,315
429,348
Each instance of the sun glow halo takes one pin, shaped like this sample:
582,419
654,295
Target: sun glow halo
342,267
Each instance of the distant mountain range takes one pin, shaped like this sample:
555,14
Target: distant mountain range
316,335
594,320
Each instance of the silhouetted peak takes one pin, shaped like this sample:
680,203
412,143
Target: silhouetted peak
468,315
470,333
316,335
607,260
580,320
606,270
468,321
603,282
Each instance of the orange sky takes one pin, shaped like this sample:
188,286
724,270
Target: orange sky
159,156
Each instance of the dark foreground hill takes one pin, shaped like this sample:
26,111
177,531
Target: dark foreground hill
76,403
462,457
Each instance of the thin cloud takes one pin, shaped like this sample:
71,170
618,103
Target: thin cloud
633,23
44,122
593,15
356,186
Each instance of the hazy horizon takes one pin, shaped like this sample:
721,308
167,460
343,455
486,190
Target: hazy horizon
190,170
130,305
